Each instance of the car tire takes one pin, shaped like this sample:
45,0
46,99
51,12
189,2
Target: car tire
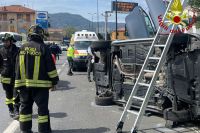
104,101
100,45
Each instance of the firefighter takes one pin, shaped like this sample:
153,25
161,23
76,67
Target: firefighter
8,55
35,75
70,56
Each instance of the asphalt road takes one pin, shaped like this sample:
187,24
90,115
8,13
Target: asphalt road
72,110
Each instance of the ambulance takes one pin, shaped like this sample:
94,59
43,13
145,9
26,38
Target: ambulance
82,40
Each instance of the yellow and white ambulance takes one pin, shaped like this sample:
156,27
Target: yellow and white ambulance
82,40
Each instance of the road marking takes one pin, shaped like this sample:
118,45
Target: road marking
59,70
15,124
12,127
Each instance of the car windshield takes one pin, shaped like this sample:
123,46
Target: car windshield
16,37
82,45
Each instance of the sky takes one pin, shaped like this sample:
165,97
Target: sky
85,8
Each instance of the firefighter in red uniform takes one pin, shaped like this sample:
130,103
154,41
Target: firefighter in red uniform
35,75
8,55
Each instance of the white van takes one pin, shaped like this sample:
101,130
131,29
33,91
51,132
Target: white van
82,40
16,36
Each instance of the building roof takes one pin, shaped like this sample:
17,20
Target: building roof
16,9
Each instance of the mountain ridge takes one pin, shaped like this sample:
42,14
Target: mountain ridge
78,22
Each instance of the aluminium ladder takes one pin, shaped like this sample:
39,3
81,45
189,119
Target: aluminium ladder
140,82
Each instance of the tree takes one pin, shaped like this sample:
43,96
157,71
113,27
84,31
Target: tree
195,5
68,31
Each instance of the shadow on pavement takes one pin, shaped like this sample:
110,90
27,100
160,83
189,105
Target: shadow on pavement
54,115
58,115
64,85
95,130
75,74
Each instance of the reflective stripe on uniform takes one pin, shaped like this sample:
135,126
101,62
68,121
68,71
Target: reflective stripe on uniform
9,101
53,74
22,67
43,119
36,68
13,100
33,83
25,118
5,80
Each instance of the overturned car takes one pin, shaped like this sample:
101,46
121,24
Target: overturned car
177,90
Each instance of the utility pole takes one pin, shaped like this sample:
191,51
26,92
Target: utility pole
92,20
106,15
97,16
116,19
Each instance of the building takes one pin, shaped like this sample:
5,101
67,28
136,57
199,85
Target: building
16,18
121,34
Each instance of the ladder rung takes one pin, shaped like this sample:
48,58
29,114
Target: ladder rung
144,84
139,98
133,112
159,45
149,71
154,58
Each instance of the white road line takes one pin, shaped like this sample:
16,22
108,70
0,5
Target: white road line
59,70
12,127
15,124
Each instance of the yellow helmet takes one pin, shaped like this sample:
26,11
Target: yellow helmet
36,30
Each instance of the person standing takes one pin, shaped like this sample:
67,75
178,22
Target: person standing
55,49
35,75
70,56
8,55
92,58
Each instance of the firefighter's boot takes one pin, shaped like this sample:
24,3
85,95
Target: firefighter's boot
44,127
16,112
11,110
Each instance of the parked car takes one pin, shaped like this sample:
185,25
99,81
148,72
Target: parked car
16,36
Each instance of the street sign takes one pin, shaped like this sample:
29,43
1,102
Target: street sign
42,19
123,7
43,23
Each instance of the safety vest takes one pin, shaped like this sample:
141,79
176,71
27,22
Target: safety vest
70,52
